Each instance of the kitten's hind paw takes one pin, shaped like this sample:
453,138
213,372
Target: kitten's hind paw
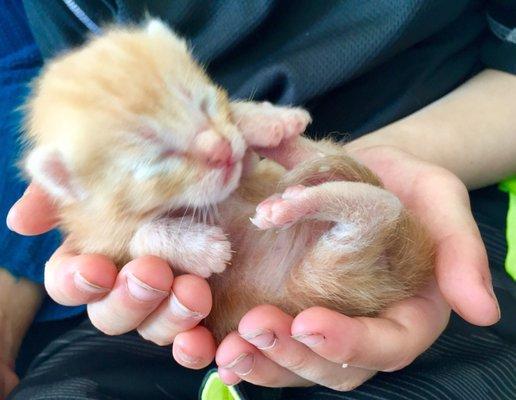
281,211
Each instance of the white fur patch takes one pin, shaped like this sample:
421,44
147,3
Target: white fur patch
156,26
345,237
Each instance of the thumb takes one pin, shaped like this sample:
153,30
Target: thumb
34,213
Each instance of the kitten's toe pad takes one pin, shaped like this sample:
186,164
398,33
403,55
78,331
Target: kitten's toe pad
281,211
268,125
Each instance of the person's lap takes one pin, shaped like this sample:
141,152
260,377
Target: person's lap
466,362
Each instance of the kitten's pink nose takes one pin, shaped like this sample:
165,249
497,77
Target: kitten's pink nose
212,149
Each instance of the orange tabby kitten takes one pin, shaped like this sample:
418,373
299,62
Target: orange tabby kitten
145,155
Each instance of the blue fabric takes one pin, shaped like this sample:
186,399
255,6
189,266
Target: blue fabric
20,61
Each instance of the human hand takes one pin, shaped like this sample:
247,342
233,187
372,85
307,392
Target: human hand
144,295
274,349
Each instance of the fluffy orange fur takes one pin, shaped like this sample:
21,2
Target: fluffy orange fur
97,124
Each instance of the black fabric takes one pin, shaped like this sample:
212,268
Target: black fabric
357,65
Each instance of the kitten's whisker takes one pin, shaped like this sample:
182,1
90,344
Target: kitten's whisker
193,217
184,214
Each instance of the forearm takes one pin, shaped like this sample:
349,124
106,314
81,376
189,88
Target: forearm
471,131
19,301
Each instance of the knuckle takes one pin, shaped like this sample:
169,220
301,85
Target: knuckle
296,363
349,355
441,177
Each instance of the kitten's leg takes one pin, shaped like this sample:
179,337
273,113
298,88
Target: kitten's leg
358,209
188,246
345,269
266,125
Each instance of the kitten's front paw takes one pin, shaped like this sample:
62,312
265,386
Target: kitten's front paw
212,253
281,210
266,125
188,246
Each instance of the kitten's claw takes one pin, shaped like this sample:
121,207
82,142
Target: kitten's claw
281,211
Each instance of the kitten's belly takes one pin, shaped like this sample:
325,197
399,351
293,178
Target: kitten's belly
266,258
259,269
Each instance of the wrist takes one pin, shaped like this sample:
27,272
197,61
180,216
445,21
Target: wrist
20,300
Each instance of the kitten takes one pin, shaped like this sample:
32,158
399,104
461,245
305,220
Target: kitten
146,155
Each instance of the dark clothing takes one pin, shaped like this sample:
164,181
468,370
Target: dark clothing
357,65
466,363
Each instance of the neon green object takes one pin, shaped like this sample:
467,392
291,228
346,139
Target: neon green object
509,186
214,389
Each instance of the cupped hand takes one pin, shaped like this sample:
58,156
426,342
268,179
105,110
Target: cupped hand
144,295
274,349
320,346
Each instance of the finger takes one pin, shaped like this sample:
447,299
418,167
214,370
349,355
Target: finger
195,348
72,279
188,305
269,329
461,268
387,343
34,213
228,377
238,359
462,271
140,287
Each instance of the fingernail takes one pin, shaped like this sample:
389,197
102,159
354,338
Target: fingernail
85,285
10,217
309,339
187,358
262,339
242,365
141,291
182,311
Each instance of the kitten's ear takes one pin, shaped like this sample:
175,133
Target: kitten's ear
47,168
156,27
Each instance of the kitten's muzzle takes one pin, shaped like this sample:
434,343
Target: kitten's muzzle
212,149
